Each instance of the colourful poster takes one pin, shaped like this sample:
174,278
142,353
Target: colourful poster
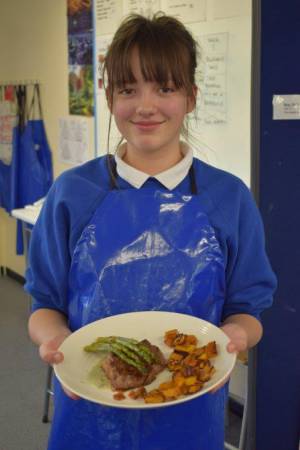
80,57
81,90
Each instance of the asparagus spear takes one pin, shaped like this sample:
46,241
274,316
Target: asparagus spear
140,349
129,361
129,350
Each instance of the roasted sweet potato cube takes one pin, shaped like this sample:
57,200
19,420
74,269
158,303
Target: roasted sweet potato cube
178,379
180,339
182,353
206,373
171,393
191,361
166,385
204,378
191,339
205,366
184,389
175,356
171,333
119,395
199,350
185,348
154,396
188,371
194,388
137,393
189,381
170,336
203,357
202,364
174,365
211,349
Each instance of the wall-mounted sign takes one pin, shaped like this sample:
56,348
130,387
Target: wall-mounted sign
286,107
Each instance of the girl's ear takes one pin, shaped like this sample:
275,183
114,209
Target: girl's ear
191,100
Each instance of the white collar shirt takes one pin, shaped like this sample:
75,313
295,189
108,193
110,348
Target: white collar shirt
169,178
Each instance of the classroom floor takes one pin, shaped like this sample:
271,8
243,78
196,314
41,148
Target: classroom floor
23,378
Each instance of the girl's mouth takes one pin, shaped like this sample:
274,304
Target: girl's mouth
143,125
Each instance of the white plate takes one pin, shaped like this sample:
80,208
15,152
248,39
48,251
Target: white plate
74,371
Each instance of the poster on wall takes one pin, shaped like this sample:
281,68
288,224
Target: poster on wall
144,7
80,57
102,44
8,120
212,79
108,14
187,11
73,140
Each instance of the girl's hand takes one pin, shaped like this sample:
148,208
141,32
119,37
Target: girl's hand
238,343
238,337
49,354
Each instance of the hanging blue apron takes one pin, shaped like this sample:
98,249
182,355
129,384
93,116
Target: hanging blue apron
144,249
32,174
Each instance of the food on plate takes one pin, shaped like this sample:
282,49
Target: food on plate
129,363
190,366
119,395
137,393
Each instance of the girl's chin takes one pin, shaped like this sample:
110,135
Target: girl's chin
145,146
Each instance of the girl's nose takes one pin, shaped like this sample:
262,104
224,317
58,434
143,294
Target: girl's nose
146,106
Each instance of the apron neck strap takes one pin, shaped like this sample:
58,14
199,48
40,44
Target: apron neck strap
112,170
21,95
36,99
194,189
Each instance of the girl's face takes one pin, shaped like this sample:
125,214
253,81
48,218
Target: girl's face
150,116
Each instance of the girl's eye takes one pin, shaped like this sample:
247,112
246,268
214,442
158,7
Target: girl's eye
166,90
126,91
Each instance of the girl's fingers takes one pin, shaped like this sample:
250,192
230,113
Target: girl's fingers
49,350
50,354
52,357
231,347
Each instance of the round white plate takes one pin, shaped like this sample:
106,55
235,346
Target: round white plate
74,371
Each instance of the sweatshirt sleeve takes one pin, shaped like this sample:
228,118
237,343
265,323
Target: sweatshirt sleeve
49,256
250,281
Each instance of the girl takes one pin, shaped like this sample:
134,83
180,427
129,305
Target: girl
149,229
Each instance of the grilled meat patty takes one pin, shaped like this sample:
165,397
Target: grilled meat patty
122,376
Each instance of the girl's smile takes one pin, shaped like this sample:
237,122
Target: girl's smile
147,125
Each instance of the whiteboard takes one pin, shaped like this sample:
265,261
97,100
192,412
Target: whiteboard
220,126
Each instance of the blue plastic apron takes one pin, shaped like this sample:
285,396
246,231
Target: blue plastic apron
32,174
144,249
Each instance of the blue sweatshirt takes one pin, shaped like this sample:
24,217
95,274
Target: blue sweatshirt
228,203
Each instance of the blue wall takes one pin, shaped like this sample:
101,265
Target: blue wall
278,388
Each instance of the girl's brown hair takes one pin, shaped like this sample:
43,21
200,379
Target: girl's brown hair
166,49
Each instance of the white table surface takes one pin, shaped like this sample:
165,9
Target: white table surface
29,214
